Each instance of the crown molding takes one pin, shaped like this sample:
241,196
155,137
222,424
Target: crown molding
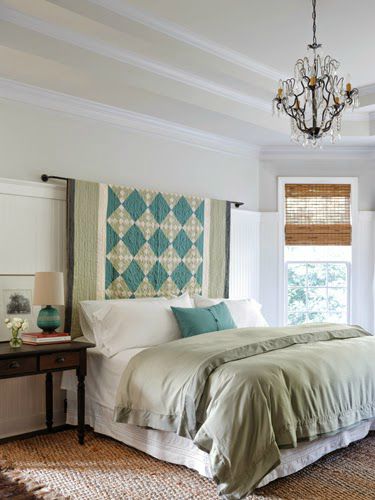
129,57
367,90
125,119
356,116
182,34
328,152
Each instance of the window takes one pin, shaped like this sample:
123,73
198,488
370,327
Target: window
317,252
317,291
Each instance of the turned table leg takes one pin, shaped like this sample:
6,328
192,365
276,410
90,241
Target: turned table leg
49,401
81,407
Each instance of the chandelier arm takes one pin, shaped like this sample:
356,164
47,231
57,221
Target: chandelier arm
334,115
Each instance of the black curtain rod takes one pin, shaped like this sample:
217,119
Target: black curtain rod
46,178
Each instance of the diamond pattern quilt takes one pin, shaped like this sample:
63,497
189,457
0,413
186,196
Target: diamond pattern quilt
154,243
126,243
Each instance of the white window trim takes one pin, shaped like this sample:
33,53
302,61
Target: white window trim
353,181
349,275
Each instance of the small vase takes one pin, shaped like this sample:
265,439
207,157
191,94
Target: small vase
15,340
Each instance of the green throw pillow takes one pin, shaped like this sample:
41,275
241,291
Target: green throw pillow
194,321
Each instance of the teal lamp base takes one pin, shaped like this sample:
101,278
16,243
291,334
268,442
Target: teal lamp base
48,319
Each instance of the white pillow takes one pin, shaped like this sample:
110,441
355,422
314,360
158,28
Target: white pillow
135,323
246,313
87,309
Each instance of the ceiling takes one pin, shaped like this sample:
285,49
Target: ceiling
208,68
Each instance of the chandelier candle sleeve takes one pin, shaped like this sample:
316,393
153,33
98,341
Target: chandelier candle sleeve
315,97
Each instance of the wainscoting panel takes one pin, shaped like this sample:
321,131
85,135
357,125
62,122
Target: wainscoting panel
244,257
363,290
269,266
32,228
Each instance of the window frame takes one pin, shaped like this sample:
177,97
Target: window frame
348,286
354,268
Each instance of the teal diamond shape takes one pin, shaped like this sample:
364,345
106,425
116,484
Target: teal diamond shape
110,273
133,276
159,208
181,275
199,274
113,202
182,243
134,239
182,211
158,242
157,276
200,213
112,238
135,205
200,243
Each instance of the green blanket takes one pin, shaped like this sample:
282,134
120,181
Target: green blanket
243,394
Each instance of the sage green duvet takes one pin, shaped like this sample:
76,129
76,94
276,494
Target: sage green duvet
243,394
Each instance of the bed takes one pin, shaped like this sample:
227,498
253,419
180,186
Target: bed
103,378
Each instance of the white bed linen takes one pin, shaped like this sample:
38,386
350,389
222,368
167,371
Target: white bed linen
103,376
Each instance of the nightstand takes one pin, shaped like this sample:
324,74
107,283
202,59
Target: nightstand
34,360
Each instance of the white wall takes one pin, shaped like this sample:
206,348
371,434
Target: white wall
34,140
32,228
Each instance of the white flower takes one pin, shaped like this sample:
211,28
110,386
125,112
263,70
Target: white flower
6,320
25,325
9,325
18,324
17,320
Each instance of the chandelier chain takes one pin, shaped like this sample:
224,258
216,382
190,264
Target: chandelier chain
314,22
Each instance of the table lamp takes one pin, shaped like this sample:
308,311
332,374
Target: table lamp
48,291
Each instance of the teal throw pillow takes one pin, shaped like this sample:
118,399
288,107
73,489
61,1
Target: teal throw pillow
194,321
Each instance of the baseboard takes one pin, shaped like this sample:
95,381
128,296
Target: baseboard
40,432
29,424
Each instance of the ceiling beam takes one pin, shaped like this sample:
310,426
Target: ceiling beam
182,34
123,118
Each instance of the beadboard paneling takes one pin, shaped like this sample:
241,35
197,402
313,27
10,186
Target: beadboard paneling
244,254
32,228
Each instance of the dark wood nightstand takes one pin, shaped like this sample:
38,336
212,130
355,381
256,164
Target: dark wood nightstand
34,360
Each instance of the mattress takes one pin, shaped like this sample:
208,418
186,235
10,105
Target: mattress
103,376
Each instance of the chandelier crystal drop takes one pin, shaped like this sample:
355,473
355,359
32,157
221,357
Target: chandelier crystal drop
315,97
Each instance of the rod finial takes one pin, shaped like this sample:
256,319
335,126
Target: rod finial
44,177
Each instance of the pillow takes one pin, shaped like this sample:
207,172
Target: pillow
87,309
246,313
203,320
137,323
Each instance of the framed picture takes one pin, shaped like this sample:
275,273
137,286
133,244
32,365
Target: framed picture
16,299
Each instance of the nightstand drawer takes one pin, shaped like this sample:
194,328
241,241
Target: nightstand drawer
17,366
59,360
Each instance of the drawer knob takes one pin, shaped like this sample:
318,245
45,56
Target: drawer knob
14,364
60,359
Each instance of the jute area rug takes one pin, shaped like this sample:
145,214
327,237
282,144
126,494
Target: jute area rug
56,467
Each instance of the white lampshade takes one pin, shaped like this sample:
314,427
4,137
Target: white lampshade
49,289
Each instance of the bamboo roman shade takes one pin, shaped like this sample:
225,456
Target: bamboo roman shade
317,214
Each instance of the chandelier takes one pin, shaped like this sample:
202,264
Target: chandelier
316,97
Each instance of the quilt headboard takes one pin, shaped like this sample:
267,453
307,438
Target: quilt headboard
126,243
